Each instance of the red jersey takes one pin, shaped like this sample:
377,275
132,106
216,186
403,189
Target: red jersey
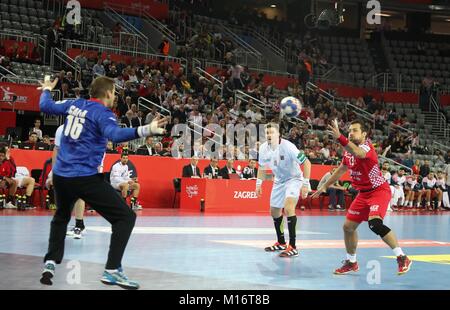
8,168
364,172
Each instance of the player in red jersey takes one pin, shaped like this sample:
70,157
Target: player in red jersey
374,194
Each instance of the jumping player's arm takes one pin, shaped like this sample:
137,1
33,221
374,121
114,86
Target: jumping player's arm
49,106
340,171
352,148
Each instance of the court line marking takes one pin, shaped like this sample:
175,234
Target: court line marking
164,230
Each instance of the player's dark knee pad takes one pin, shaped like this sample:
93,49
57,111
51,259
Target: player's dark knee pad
377,226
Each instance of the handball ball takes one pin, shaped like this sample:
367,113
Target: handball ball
290,107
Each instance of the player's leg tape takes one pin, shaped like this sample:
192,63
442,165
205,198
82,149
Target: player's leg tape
377,226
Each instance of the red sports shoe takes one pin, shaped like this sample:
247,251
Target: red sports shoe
289,252
347,267
276,247
404,263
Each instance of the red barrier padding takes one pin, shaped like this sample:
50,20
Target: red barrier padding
7,119
155,174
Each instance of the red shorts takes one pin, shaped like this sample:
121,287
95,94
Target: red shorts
368,204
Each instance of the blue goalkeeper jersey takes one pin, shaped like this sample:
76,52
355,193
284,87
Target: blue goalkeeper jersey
87,128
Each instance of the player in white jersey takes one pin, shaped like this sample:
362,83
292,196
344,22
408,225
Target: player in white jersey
284,159
397,182
385,171
79,229
121,180
441,190
410,184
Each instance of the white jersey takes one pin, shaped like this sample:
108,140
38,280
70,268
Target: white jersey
401,180
440,183
58,135
410,183
387,176
21,172
283,160
120,173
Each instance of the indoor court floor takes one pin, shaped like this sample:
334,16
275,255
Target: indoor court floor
174,250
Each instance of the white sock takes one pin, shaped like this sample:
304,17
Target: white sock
398,251
351,258
111,270
410,204
50,262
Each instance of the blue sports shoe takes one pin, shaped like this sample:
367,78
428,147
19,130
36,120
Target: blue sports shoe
120,279
47,274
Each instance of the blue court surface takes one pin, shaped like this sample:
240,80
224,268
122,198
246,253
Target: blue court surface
193,251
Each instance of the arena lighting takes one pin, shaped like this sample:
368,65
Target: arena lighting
383,14
436,7
273,5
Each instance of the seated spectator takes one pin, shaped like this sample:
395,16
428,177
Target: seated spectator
166,149
146,149
150,116
227,170
30,144
82,61
37,128
429,186
398,180
124,148
23,180
120,180
98,69
110,148
71,82
66,92
46,140
333,191
250,172
7,173
129,121
191,170
442,192
212,170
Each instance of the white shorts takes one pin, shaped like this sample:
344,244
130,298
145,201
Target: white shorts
116,185
397,193
281,191
19,181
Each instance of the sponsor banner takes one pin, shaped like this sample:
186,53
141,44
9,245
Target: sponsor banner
25,97
237,196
